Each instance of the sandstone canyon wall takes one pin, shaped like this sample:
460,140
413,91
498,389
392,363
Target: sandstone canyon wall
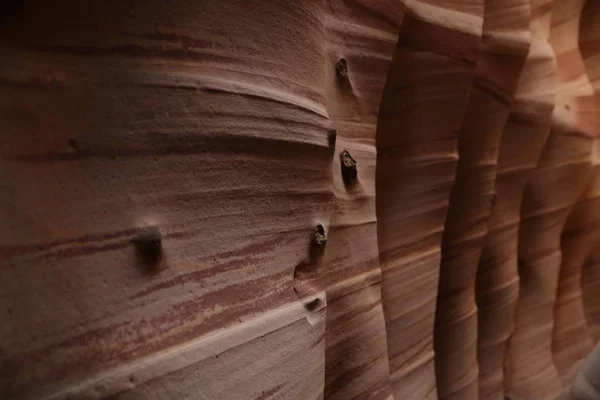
311,199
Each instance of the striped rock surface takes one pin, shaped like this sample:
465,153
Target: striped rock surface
118,117
425,97
313,199
360,40
523,137
556,184
503,49
572,339
589,40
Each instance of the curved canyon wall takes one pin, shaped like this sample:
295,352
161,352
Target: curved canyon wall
590,50
314,199
552,190
420,116
523,137
504,46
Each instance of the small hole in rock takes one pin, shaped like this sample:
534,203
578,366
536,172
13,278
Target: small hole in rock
313,304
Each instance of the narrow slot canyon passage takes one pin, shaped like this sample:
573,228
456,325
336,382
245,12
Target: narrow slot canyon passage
303,200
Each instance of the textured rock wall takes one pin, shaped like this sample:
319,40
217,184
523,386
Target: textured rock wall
523,137
314,199
433,69
588,42
503,49
549,196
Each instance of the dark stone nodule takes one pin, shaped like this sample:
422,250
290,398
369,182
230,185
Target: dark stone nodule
148,244
341,67
318,242
348,164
